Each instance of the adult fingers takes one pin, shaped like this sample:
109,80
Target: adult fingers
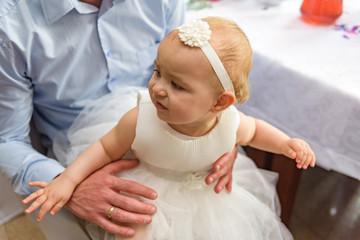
228,186
129,202
215,176
222,166
223,181
132,187
120,165
123,216
114,228
226,159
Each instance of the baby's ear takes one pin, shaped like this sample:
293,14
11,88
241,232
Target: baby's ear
225,100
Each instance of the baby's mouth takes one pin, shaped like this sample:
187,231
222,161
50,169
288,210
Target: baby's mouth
159,106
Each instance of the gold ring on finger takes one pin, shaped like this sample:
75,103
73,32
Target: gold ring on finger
110,211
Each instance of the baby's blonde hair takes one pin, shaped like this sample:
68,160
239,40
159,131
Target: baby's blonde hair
234,50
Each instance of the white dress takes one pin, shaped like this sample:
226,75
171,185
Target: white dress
175,165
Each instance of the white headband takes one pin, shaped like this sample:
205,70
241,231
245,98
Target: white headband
196,34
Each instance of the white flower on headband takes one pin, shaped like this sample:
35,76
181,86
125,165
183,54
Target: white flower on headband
195,33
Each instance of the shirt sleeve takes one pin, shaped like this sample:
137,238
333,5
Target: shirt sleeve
19,162
175,15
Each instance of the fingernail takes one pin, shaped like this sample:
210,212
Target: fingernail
211,180
153,195
153,210
147,220
218,167
130,233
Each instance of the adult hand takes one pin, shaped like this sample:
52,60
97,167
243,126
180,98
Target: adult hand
222,171
95,196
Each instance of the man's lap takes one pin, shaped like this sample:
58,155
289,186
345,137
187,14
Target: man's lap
63,225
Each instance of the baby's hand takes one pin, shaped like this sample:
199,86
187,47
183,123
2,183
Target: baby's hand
51,197
299,150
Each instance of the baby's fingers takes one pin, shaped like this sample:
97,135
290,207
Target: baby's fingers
38,184
312,164
310,160
300,157
45,207
289,152
33,196
57,207
39,201
308,157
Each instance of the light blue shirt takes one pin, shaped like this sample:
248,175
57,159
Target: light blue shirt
57,55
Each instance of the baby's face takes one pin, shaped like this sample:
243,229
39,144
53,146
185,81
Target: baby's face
180,86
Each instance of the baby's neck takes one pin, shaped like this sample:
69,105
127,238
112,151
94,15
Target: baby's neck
195,129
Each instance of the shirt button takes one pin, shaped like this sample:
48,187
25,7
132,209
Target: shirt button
109,53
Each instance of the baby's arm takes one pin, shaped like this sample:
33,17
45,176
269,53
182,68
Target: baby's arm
109,148
261,135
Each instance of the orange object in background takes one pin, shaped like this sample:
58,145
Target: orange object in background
321,12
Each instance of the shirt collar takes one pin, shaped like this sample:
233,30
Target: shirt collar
56,9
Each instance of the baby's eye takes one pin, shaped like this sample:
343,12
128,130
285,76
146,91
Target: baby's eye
157,72
175,85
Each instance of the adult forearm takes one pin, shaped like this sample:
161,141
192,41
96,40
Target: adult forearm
21,164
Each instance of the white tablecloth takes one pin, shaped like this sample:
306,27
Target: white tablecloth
305,79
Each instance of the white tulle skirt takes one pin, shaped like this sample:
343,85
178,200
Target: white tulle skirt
187,209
